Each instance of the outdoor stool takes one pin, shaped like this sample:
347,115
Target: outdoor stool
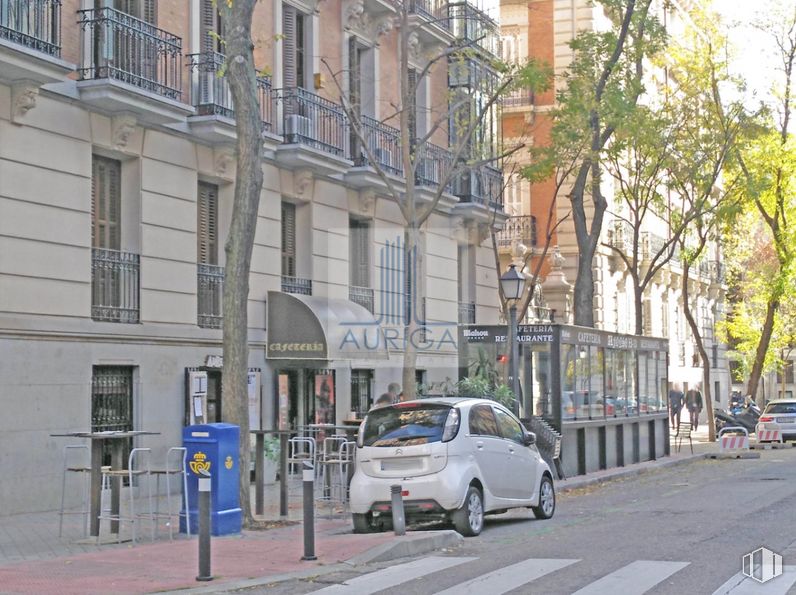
335,468
83,469
138,465
300,450
329,451
683,433
174,465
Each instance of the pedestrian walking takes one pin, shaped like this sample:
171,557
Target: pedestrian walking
394,389
383,400
675,405
693,400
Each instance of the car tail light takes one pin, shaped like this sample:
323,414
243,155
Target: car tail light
451,425
764,418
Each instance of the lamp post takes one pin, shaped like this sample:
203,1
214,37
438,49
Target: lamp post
513,282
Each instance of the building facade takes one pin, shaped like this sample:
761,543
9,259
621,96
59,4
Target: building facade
117,172
542,29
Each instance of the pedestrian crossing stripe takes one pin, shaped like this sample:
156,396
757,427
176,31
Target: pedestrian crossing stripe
743,585
634,579
507,578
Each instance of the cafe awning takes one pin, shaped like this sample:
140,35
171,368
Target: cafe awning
321,328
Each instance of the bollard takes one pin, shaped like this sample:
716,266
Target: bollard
283,475
398,520
308,476
204,530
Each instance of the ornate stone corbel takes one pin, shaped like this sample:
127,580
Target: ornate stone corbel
122,128
223,158
355,16
23,99
414,47
303,185
384,25
482,233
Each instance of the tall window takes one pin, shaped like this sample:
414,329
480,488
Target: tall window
295,31
359,253
413,92
288,239
111,401
106,179
211,28
146,10
361,397
207,224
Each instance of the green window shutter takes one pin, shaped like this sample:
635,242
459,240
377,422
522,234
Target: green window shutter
106,203
207,223
288,239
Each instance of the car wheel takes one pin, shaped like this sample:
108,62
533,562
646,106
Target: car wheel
362,523
469,519
547,499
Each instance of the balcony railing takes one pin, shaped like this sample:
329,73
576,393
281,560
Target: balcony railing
470,24
313,121
384,144
651,245
296,285
35,24
483,185
621,235
518,98
521,228
362,296
115,286
466,313
433,165
212,96
433,10
210,287
717,272
118,46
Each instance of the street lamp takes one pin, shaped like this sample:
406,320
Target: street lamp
513,282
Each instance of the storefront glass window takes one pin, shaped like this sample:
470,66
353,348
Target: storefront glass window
568,402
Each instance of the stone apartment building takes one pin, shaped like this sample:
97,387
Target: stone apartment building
542,29
117,169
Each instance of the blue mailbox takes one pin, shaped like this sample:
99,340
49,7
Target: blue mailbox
212,451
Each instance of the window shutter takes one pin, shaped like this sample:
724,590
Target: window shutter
150,12
105,203
288,46
207,224
209,24
359,256
412,104
288,239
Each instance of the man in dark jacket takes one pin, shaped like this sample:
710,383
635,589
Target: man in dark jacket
693,400
675,405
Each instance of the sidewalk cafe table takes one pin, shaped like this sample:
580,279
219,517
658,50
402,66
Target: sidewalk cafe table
117,441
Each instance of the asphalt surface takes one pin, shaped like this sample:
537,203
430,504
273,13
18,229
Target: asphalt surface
681,530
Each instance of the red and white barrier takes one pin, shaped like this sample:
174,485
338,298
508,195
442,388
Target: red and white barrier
728,442
769,436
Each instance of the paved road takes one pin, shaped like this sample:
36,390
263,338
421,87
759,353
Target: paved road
681,531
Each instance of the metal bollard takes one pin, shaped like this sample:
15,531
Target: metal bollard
398,519
308,475
204,530
283,475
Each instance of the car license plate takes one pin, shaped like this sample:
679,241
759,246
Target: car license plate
399,464
786,420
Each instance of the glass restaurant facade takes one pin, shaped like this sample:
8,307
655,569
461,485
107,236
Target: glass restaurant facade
605,393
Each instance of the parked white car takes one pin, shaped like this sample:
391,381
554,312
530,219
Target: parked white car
456,459
779,415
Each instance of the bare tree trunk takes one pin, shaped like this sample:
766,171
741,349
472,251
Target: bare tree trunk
240,73
638,293
762,347
414,317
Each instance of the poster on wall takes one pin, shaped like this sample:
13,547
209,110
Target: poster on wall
283,401
324,399
253,392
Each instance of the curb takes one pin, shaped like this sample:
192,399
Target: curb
413,543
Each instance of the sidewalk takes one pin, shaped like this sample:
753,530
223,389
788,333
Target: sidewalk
34,560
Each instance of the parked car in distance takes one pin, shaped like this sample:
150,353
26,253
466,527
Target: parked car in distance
456,459
779,415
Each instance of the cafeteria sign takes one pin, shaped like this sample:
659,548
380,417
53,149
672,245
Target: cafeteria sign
200,465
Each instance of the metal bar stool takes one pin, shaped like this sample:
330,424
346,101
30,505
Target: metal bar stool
300,449
175,464
82,468
339,472
138,465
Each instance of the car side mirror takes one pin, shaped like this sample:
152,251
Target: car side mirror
529,439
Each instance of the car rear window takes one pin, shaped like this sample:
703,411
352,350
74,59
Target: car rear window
405,425
781,408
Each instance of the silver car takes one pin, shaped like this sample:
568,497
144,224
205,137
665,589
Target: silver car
779,415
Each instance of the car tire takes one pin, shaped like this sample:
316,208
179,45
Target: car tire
362,523
547,500
469,519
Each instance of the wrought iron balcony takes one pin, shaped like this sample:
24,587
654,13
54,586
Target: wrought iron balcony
432,165
435,11
210,291
717,272
651,245
118,46
466,312
518,98
313,121
704,269
474,26
520,228
35,24
483,185
296,285
362,296
384,144
212,96
115,286
620,235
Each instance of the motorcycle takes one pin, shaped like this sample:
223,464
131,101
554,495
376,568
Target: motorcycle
746,417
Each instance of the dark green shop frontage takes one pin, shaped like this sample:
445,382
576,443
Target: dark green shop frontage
605,393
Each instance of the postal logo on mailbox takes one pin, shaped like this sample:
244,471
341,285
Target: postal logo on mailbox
228,462
200,465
